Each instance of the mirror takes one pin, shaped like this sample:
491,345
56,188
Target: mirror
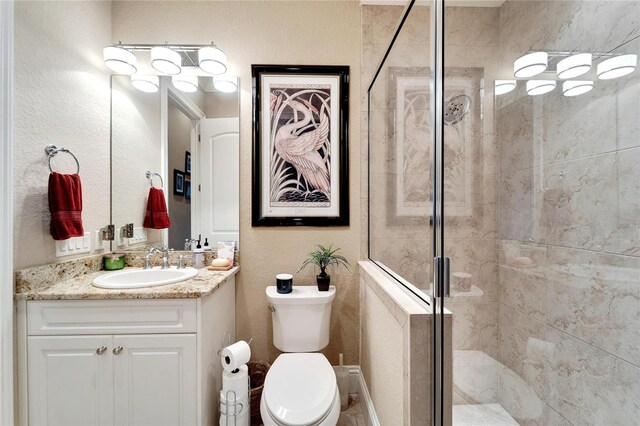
189,144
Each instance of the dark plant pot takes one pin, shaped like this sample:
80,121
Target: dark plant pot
323,282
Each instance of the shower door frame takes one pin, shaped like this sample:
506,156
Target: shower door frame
440,289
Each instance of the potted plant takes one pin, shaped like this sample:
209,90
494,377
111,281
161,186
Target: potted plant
323,257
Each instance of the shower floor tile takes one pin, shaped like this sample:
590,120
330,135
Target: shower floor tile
482,415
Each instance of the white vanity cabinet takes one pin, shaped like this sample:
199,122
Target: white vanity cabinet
125,361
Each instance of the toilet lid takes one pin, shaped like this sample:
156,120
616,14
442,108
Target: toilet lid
299,388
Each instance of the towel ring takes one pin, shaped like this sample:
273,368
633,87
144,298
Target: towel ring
52,151
150,175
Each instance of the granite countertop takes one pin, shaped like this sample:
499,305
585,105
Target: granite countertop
80,288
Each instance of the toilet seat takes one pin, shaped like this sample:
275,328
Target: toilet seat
300,389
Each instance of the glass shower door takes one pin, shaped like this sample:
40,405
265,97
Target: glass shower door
541,208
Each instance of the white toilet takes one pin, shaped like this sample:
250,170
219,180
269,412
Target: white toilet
300,387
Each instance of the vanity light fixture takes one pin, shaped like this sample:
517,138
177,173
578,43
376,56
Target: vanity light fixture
575,87
225,83
504,86
146,83
530,64
540,87
212,60
185,83
617,66
119,59
574,65
166,60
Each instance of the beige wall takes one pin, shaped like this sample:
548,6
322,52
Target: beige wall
62,98
272,33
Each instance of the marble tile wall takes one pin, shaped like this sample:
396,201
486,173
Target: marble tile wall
569,224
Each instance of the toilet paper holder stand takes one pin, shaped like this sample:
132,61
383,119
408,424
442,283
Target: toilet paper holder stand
227,404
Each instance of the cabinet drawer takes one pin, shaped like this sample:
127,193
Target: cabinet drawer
69,317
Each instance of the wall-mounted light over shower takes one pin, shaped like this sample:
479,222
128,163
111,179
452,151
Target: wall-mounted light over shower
617,66
540,87
575,87
530,64
574,66
504,86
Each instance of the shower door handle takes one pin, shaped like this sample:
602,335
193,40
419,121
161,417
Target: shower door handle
441,276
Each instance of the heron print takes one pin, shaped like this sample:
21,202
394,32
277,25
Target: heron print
300,143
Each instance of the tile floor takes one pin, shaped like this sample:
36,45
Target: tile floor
482,415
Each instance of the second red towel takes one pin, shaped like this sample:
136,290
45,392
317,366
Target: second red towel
156,216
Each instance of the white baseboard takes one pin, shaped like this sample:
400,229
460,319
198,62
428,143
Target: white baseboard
358,386
370,416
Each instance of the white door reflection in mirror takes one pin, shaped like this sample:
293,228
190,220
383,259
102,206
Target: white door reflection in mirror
217,212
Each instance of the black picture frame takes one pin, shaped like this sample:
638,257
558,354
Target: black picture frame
187,163
187,189
178,182
324,91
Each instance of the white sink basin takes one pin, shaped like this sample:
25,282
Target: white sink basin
137,277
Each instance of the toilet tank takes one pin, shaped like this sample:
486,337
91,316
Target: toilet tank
301,318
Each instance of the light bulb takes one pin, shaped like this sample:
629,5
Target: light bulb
146,83
119,60
540,87
530,64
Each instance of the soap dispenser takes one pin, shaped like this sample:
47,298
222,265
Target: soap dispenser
198,255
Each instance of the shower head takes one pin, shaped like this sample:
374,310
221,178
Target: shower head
456,109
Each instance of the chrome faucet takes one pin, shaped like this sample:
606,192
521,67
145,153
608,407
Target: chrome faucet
188,242
165,257
147,258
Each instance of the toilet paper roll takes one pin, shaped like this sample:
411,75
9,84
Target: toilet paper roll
233,356
236,382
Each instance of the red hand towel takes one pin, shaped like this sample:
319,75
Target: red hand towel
156,216
65,205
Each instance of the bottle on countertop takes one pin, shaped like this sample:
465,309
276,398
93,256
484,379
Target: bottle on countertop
198,255
206,245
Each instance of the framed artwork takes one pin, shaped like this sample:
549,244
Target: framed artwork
187,163
300,145
178,182
409,134
187,189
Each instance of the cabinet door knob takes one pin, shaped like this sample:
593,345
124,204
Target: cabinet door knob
117,350
101,350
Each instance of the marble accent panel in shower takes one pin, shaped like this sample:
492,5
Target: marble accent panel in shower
573,127
584,383
476,257
472,29
522,28
590,26
523,404
593,194
596,298
475,326
627,106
